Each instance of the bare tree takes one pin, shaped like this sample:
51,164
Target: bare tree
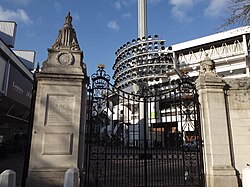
239,13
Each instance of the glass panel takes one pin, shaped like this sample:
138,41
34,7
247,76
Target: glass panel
3,62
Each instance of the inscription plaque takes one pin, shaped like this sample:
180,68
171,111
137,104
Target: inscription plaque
59,110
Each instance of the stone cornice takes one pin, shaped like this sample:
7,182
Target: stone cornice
49,76
209,80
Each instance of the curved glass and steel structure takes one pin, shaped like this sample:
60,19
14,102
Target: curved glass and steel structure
143,60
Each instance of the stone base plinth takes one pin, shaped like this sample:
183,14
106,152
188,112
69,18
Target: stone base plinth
45,179
224,177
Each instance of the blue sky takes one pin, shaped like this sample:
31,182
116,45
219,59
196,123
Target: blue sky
102,26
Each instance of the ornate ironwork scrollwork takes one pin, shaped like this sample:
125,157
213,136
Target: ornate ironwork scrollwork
100,74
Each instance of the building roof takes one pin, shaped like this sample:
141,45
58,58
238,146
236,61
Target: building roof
19,58
211,38
27,57
8,32
15,59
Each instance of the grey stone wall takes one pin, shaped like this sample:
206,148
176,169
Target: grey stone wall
238,104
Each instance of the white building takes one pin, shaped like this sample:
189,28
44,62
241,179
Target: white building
229,50
144,61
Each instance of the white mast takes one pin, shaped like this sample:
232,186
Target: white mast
142,18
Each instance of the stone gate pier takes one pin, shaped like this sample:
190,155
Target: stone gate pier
58,123
225,112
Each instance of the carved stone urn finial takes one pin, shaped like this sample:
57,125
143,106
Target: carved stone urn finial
65,55
66,38
208,77
68,21
207,65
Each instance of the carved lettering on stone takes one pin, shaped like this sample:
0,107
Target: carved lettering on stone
57,144
59,109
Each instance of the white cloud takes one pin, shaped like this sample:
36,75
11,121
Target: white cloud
76,16
58,6
126,15
154,1
14,15
216,8
113,25
20,2
118,5
181,8
182,4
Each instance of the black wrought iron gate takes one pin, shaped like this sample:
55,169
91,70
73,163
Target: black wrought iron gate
148,139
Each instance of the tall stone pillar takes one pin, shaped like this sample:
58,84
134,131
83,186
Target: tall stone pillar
217,156
59,112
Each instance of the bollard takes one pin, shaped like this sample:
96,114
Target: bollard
71,178
246,176
8,178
